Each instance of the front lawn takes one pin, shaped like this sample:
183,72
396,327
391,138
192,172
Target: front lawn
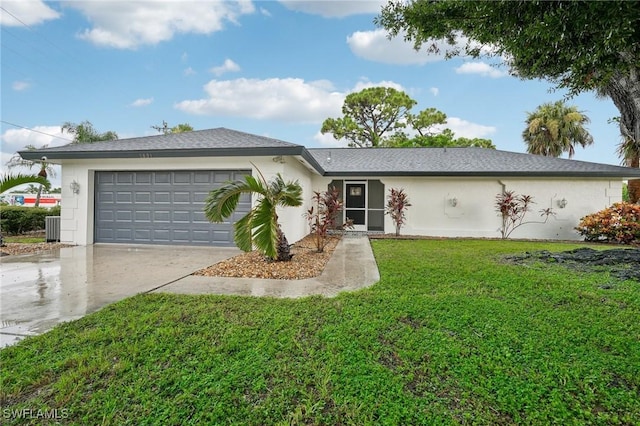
451,334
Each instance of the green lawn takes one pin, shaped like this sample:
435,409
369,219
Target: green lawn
25,239
449,335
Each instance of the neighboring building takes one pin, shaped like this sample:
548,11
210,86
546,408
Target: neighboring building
29,200
150,190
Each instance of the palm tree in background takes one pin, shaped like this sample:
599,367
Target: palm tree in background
46,169
555,128
629,151
86,133
260,227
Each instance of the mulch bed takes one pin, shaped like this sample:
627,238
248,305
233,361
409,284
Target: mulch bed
306,263
622,263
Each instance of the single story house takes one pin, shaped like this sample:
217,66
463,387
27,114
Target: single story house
150,190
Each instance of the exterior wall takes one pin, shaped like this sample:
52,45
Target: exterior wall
431,213
293,217
474,215
77,215
582,197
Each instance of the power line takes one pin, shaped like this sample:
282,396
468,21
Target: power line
14,17
35,131
46,39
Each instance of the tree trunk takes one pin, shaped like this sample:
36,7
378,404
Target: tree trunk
284,250
38,195
633,185
624,91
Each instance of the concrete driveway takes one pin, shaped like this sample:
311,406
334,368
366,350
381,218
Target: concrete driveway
39,291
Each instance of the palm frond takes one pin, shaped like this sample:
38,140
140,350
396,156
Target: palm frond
265,228
259,228
8,181
222,202
242,234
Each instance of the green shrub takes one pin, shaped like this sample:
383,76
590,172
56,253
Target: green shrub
619,223
16,220
625,193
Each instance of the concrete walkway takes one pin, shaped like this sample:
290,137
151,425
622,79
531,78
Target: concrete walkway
351,267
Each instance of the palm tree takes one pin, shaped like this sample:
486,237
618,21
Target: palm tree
629,150
555,128
86,133
8,181
260,226
46,169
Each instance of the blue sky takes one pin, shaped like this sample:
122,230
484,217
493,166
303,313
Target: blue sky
273,68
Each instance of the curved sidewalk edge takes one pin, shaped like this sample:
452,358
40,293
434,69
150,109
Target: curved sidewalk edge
351,267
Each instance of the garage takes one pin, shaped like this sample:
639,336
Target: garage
162,207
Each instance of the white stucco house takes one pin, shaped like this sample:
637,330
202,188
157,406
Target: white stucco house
151,190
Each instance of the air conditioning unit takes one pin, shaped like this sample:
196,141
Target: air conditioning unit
52,228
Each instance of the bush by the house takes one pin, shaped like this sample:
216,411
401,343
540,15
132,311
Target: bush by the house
625,192
16,220
397,204
619,223
322,215
512,208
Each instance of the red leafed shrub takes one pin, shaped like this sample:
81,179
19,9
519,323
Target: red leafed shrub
513,208
619,223
322,216
397,204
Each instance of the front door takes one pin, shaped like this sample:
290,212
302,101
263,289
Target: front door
355,204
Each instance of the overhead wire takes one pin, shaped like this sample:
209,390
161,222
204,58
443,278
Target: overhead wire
42,54
35,131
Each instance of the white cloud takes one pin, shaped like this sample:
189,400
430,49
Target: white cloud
265,12
127,25
481,68
375,46
327,140
335,9
19,86
434,91
189,71
466,129
16,139
142,102
365,84
286,99
30,12
227,66
290,100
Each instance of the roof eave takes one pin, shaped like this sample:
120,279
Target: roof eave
588,174
163,153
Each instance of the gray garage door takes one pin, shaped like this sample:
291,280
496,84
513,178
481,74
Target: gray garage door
162,207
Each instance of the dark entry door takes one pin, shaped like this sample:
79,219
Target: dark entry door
355,206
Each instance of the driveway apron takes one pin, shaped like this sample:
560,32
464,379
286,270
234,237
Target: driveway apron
39,291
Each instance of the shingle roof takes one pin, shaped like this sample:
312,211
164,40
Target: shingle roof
340,161
455,162
222,141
